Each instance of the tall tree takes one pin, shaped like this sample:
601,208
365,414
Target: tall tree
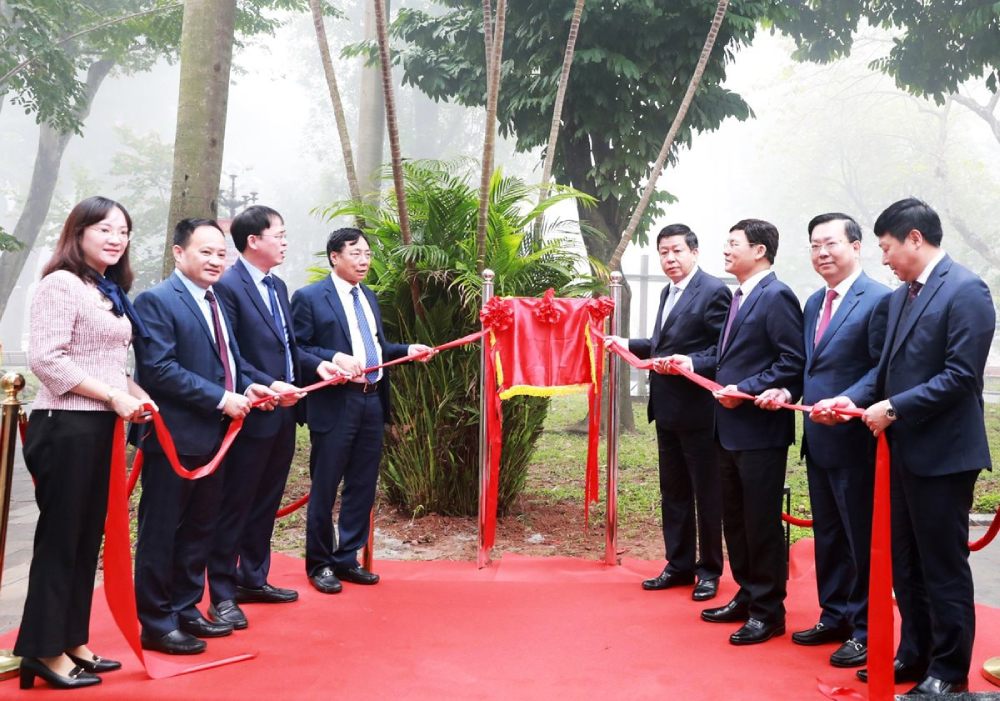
371,116
495,59
207,36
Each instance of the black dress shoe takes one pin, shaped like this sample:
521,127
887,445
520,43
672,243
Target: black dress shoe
201,627
176,642
356,575
852,653
265,595
667,579
932,686
96,664
900,673
705,589
32,667
756,631
733,612
326,581
819,634
228,612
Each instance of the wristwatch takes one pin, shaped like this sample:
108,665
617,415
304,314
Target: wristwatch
890,413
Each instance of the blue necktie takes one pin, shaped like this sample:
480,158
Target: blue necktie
371,355
279,325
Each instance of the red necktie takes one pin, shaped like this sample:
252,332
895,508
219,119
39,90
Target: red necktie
824,320
220,340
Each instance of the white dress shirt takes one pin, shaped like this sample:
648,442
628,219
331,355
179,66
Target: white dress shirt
357,344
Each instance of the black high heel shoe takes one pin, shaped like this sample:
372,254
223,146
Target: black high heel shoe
32,667
96,665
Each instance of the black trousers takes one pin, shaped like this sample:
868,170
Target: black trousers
256,470
176,523
68,453
690,501
752,486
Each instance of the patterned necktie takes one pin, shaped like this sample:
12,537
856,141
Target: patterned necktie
279,324
220,340
914,290
734,309
371,354
824,320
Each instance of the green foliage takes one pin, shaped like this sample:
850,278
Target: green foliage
431,458
631,68
8,242
936,45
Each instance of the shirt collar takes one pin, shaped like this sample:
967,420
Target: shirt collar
256,274
342,286
196,291
751,282
926,274
682,285
844,285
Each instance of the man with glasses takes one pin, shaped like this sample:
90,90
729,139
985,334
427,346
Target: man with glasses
338,319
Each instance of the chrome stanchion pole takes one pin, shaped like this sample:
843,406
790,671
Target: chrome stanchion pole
12,384
611,514
483,557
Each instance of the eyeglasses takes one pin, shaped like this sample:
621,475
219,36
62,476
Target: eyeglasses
828,247
108,233
276,237
358,255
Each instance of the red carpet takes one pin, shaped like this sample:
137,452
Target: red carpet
526,628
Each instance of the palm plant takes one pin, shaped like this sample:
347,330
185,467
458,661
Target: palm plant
431,458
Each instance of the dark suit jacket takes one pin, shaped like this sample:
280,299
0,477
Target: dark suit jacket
321,329
180,369
932,371
261,343
846,358
695,324
764,350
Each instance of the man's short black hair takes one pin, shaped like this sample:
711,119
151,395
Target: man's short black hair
341,237
851,228
759,232
250,222
186,227
902,217
690,238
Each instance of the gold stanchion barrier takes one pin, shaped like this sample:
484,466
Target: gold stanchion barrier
991,670
12,384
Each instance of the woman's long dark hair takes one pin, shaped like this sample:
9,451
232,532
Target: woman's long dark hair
69,253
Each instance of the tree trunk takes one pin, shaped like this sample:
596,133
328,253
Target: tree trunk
205,60
489,140
48,158
338,106
371,119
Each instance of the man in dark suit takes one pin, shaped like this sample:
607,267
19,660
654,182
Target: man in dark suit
759,353
338,319
190,366
689,319
928,394
844,333
256,303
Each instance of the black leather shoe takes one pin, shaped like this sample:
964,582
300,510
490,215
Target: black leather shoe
228,612
201,627
95,665
326,581
900,673
176,642
852,653
932,686
32,667
820,634
733,612
756,631
705,589
265,595
667,579
356,575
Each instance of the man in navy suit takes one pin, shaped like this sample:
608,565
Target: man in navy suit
190,366
689,319
844,333
759,353
256,303
338,319
928,394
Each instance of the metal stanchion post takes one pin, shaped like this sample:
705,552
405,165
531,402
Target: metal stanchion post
611,515
483,557
12,384
368,551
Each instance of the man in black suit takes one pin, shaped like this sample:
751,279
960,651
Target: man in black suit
338,319
844,333
190,365
689,319
928,394
759,353
256,303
